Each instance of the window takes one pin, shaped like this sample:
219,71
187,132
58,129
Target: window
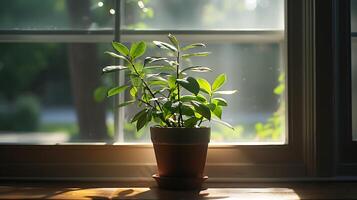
261,52
251,49
347,132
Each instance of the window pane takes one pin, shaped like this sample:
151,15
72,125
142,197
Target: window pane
257,112
354,87
56,14
46,93
354,67
353,15
204,14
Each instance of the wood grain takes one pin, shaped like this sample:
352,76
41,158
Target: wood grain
228,191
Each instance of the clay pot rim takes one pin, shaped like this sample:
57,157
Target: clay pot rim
180,135
158,127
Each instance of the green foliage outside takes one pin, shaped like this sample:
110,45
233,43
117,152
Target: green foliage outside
274,127
20,116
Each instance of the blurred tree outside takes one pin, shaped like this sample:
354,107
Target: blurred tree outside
85,77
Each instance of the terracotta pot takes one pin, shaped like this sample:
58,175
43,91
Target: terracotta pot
180,155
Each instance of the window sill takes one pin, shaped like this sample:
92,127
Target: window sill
106,190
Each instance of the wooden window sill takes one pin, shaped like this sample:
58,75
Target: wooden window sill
246,191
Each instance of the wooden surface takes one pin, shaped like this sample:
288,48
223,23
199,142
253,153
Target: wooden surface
247,191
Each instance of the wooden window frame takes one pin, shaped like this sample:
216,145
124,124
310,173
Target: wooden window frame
347,161
303,156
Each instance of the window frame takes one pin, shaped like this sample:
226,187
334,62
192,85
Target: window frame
102,161
347,162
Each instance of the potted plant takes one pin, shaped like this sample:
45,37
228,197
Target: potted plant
178,106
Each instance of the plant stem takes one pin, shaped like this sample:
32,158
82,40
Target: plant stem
146,103
199,124
180,119
148,89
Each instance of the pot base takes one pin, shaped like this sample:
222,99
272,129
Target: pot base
178,183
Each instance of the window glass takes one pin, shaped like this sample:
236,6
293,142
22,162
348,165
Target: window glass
47,93
51,92
354,15
57,14
257,111
354,87
204,14
354,67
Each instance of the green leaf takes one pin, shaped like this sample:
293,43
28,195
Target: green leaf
195,54
171,81
226,92
153,59
117,90
168,107
220,101
161,90
174,41
167,68
220,80
201,98
120,48
149,115
100,93
187,110
138,66
164,45
113,68
211,106
117,56
223,123
190,84
158,78
160,99
191,46
197,69
189,98
218,111
148,76
202,109
204,85
172,63
191,122
158,82
138,115
133,91
126,103
137,49
135,80
142,120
